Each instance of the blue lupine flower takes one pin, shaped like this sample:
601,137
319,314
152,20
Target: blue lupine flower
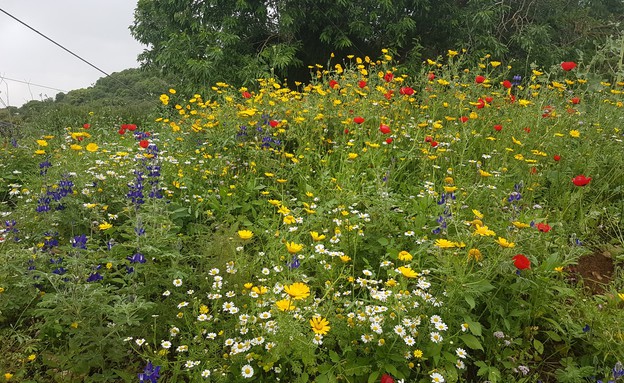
94,277
150,374
136,258
44,166
139,231
136,189
514,196
79,241
295,263
618,370
44,204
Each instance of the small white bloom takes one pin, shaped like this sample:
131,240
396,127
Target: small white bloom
247,371
436,337
436,378
461,353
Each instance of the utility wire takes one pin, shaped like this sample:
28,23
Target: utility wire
52,41
30,83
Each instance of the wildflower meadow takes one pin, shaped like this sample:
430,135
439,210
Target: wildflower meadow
372,225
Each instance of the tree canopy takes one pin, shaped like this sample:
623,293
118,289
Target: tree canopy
202,41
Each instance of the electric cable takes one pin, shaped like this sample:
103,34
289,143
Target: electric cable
52,41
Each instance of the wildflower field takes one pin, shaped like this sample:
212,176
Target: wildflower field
370,226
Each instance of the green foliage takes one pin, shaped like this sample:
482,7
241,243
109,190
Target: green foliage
360,225
199,42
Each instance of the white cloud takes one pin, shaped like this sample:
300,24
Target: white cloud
96,30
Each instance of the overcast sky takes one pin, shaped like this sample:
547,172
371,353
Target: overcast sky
96,30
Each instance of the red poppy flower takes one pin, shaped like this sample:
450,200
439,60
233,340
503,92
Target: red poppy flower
533,170
546,112
575,100
389,140
358,120
385,378
480,104
333,83
464,119
246,94
568,65
273,123
406,91
144,144
498,127
362,84
428,139
131,127
527,129
507,84
86,126
479,79
431,76
543,227
521,262
388,77
121,131
489,99
346,131
434,144
556,157
581,180
385,129
389,94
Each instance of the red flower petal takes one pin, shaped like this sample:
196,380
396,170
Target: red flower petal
568,65
385,129
521,262
406,91
581,180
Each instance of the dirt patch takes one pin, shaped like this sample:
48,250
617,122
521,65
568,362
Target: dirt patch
594,271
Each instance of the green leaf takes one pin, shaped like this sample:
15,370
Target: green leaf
373,377
470,300
539,347
391,369
474,327
472,342
553,335
333,356
494,375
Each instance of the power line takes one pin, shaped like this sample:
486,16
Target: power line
52,41
33,84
